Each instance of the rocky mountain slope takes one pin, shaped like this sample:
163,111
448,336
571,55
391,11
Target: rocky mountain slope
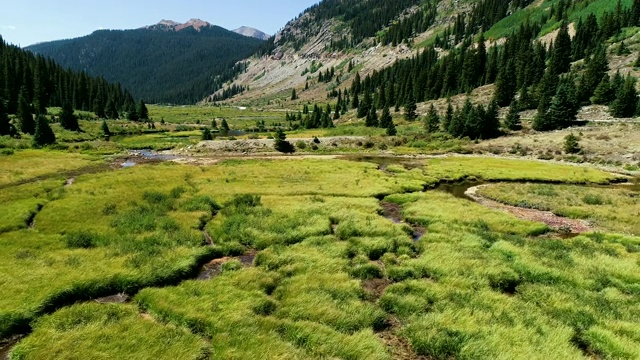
328,36
251,32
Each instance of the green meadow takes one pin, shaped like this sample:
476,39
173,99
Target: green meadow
309,267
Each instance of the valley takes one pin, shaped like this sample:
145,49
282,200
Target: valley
416,179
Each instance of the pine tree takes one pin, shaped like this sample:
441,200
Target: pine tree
281,144
25,116
490,126
391,130
604,94
224,127
214,124
624,106
110,110
294,96
206,134
5,125
432,122
512,121
105,129
561,53
457,125
372,118
563,108
386,119
505,85
571,145
43,134
448,117
132,113
365,105
597,67
68,119
410,108
143,113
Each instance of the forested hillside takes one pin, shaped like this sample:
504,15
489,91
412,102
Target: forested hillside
159,63
29,84
549,56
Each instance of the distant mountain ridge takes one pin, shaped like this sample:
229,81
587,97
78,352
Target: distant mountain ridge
251,32
195,24
167,62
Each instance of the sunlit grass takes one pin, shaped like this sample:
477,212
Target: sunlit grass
614,209
94,331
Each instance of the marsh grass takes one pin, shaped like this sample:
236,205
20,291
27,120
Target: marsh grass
479,284
614,209
96,331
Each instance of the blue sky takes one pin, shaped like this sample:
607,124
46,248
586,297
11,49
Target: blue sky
25,22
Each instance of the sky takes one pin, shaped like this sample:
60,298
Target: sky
26,22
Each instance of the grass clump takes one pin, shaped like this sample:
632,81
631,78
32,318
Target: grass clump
93,331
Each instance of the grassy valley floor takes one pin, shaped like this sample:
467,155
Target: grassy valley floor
310,266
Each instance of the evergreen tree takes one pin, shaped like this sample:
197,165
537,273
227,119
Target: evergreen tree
281,144
214,124
505,85
571,145
604,94
25,116
365,105
105,129
457,125
294,96
448,117
391,130
512,121
490,126
68,119
43,134
410,108
624,106
5,125
597,67
132,113
386,119
372,118
206,134
110,110
143,113
432,122
355,102
561,53
224,127
563,108
99,105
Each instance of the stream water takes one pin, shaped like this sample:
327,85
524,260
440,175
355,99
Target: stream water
7,345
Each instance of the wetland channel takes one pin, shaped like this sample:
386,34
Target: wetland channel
210,267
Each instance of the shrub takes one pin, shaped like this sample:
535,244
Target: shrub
367,271
591,199
265,307
80,240
571,145
301,145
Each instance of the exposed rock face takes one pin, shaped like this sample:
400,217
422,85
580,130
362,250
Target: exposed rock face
197,24
251,32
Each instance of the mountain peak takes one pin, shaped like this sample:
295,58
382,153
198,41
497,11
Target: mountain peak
251,32
197,24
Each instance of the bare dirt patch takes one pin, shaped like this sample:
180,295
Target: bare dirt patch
557,223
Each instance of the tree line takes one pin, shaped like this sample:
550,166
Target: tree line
30,83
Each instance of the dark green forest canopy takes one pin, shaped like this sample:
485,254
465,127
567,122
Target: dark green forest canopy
43,83
158,65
